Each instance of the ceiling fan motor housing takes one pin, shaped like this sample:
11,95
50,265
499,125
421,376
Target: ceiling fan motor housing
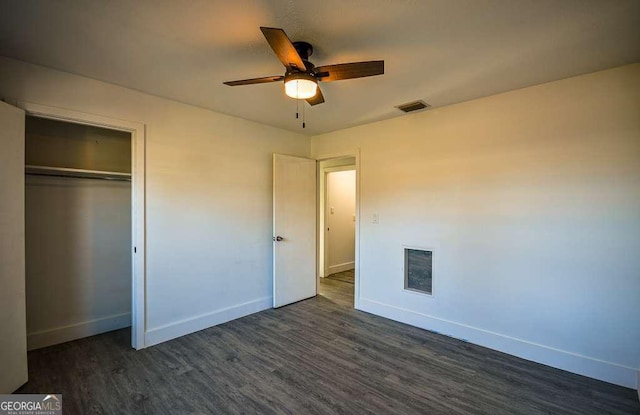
304,49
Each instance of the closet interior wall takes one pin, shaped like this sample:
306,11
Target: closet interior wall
78,231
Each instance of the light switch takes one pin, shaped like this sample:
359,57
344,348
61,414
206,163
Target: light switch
332,210
375,218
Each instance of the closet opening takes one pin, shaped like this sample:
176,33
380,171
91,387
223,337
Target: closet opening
78,230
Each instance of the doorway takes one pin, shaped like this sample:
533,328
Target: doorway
337,230
105,179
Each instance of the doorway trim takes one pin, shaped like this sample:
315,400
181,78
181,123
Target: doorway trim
138,199
320,223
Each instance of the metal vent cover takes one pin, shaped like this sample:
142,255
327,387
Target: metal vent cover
413,106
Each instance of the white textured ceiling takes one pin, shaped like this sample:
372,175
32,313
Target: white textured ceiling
443,51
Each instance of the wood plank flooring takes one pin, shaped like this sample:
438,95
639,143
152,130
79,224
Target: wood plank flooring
344,276
318,356
339,288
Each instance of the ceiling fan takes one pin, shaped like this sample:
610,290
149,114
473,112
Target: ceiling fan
301,76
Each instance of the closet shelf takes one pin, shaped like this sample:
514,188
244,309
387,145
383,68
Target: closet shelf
77,173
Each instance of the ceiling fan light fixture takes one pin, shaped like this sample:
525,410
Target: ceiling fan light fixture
300,85
302,78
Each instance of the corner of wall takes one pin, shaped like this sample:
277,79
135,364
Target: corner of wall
191,325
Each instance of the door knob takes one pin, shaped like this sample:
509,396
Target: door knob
278,238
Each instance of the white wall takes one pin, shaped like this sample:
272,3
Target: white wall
341,204
208,196
78,253
531,200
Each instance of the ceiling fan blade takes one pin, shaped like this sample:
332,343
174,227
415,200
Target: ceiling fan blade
255,81
341,71
283,48
317,99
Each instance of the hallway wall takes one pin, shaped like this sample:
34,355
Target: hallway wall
341,203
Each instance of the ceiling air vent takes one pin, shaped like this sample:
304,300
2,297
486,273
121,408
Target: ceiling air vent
413,106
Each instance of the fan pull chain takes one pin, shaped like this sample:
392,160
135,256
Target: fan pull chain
298,108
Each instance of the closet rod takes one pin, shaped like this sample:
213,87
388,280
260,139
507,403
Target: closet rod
76,173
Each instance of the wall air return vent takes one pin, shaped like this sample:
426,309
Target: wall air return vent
413,106
418,270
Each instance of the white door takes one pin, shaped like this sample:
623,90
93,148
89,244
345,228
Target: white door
13,325
294,229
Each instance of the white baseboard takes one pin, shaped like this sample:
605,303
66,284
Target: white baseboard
191,325
57,335
561,359
332,269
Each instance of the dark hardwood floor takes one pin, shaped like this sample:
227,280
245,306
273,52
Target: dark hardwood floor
318,356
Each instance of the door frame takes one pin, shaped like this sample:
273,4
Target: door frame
320,221
138,200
